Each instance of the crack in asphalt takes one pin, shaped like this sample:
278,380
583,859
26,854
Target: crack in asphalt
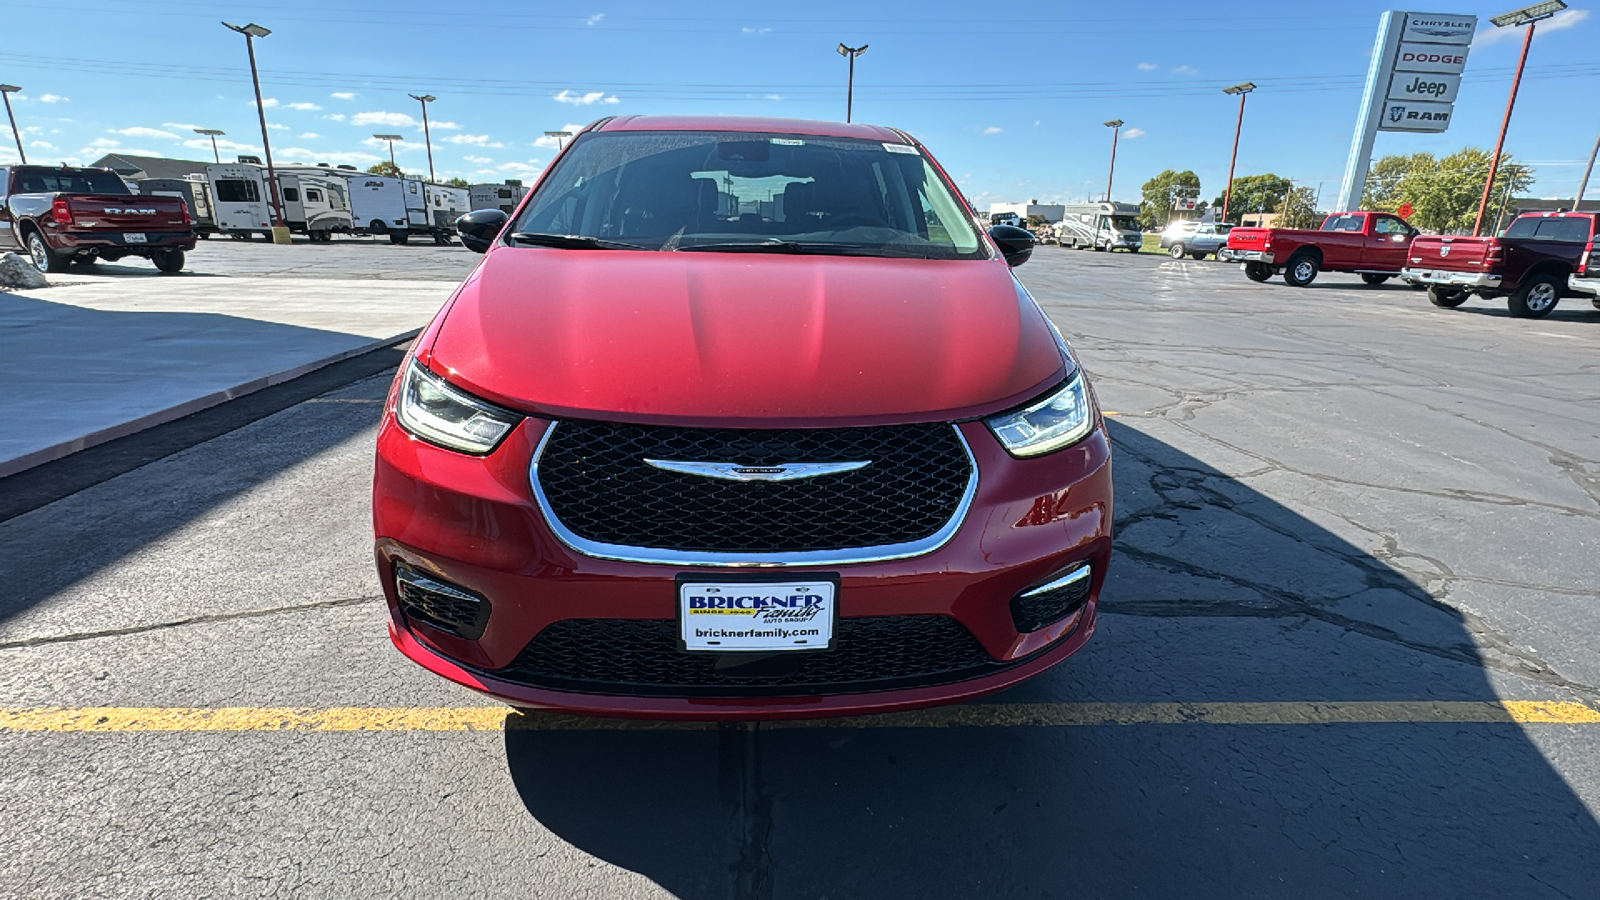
179,623
739,774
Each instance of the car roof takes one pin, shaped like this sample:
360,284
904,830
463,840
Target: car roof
753,125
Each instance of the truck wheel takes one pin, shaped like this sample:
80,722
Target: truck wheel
1257,271
1301,271
1176,251
1197,256
168,261
1446,298
398,237
44,259
1371,278
1536,297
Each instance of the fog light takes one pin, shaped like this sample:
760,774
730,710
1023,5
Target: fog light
443,606
1052,601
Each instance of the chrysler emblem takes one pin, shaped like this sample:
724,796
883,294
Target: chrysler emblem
728,471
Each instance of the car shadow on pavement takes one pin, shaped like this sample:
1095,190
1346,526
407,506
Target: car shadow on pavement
1568,311
1219,594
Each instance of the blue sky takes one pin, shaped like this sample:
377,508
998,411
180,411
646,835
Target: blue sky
1012,103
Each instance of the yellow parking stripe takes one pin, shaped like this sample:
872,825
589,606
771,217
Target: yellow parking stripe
1048,715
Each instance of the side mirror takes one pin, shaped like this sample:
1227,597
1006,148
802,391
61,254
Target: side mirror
479,228
1016,244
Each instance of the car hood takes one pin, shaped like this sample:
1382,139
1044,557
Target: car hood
726,338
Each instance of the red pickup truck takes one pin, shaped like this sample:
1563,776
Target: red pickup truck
1531,264
1372,244
59,215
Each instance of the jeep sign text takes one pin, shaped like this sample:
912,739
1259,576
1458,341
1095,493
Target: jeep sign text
1418,86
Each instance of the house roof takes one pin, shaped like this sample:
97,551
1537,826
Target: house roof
142,167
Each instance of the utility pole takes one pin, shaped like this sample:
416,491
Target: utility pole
427,138
251,32
850,53
1583,185
1241,89
213,134
6,90
1116,129
1529,16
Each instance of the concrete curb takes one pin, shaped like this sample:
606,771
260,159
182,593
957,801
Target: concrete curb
216,398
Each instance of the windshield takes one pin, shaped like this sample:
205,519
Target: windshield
1122,223
1572,229
67,181
690,190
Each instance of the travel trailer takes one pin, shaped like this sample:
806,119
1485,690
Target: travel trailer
240,203
192,190
503,197
315,201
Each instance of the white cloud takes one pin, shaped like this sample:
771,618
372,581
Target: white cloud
105,143
1145,67
223,145
181,126
594,19
41,145
400,147
480,160
54,98
522,169
1488,34
748,30
476,140
588,99
343,95
274,126
305,106
268,103
336,117
443,125
993,129
397,120
297,152
141,131
309,136
773,97
551,143
1132,133
1185,70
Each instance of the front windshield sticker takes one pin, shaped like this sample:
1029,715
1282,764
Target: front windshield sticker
900,148
788,142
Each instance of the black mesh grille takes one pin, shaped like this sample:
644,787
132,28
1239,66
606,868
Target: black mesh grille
594,476
441,605
641,657
1031,613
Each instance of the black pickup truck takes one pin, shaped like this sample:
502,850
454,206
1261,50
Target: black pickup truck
61,215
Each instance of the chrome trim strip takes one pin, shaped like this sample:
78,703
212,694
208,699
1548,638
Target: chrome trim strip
1073,577
850,556
728,471
423,582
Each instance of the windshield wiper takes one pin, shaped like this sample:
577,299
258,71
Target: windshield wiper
569,241
806,248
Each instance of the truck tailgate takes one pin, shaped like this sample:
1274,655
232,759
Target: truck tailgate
127,212
1451,254
1249,238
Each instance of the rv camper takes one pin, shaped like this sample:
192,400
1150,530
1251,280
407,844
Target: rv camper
1100,226
191,189
446,204
315,201
503,197
401,208
240,204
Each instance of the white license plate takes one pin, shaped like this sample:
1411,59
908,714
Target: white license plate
133,237
764,616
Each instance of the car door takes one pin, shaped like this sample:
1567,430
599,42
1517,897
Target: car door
1388,241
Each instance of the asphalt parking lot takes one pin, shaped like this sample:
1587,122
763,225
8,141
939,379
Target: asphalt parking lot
1348,647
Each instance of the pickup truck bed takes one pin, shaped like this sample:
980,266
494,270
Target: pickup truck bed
1533,265
56,216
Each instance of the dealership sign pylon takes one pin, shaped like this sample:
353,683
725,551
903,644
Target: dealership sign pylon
1411,85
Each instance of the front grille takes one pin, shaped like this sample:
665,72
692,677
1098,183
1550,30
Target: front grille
640,657
597,485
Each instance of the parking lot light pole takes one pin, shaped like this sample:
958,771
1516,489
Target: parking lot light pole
213,134
1242,88
1583,185
6,90
560,137
850,53
1529,16
391,138
251,32
1116,128
427,138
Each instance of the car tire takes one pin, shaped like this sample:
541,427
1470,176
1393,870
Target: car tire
1176,251
1197,256
1257,271
1535,298
398,237
1373,279
170,262
43,258
1301,270
1135,249
1445,297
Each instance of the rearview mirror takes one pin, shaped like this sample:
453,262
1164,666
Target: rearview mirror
1016,244
479,228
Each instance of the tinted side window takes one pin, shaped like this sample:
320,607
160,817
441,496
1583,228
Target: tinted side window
1574,230
237,190
291,194
313,195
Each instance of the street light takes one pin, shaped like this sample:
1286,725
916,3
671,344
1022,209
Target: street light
6,90
850,53
559,136
1577,203
391,138
1116,128
251,32
1242,88
213,134
427,138
1529,16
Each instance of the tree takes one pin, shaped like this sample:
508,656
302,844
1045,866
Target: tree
1301,210
1444,193
386,169
1037,221
1255,194
1162,193
459,182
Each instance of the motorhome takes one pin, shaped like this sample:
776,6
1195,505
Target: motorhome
503,197
191,189
240,202
315,201
1100,226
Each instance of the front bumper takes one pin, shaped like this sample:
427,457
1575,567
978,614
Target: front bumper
1584,285
474,522
1470,280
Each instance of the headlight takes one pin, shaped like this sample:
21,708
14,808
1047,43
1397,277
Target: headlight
440,414
1060,419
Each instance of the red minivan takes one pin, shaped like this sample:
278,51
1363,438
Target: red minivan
739,419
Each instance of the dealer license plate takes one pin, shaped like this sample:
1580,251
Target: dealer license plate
133,237
757,616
